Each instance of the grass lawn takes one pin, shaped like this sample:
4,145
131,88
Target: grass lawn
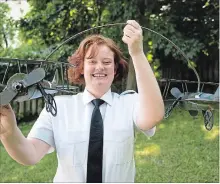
180,151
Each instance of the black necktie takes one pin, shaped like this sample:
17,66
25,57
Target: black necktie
95,153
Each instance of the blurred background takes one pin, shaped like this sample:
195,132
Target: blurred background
182,150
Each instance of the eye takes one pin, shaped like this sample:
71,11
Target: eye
107,62
92,61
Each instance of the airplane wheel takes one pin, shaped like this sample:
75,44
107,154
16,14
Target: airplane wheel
51,105
208,119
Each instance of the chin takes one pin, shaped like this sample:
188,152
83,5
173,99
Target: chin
101,86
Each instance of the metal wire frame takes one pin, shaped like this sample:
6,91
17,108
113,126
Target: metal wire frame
143,28
46,61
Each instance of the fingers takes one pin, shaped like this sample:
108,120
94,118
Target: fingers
134,24
5,106
133,37
129,33
129,30
132,31
4,109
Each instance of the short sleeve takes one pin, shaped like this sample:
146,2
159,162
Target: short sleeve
136,101
42,129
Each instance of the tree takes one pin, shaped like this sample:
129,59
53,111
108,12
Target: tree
7,26
192,25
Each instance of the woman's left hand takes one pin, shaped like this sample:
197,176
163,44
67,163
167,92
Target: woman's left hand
133,37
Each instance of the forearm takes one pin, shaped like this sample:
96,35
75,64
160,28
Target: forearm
20,148
151,109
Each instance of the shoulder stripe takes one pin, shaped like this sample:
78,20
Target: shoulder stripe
128,92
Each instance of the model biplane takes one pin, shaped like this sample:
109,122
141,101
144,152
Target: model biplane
25,85
33,84
193,102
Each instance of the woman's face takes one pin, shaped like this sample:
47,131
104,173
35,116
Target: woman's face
99,70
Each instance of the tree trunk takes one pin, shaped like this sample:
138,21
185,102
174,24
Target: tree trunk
5,39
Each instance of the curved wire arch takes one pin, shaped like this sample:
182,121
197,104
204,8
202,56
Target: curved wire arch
144,28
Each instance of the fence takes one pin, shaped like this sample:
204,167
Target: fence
28,110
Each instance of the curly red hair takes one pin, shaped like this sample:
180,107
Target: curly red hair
75,73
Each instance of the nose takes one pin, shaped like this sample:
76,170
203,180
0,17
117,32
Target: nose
100,66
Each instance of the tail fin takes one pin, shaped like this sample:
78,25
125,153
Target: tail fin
216,95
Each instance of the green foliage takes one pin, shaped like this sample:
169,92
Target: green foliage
29,50
7,26
191,25
55,21
154,62
16,47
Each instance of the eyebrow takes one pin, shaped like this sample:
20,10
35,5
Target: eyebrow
107,58
103,58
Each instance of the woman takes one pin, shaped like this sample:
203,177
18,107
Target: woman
71,132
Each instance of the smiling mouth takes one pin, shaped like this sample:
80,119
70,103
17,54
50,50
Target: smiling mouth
99,75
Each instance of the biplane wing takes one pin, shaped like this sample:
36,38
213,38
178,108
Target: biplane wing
204,102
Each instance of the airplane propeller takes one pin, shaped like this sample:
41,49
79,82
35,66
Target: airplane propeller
18,83
33,77
176,93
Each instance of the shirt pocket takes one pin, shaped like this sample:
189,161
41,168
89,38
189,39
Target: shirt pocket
119,146
73,148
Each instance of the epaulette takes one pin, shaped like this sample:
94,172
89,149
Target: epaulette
128,92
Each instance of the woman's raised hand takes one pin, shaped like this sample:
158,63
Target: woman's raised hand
133,37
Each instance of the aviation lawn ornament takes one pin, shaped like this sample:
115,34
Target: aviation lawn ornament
193,101
22,87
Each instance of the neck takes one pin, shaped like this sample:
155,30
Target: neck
97,93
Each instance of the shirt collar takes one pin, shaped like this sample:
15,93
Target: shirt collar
88,97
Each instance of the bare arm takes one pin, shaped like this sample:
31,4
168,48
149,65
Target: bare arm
151,107
24,151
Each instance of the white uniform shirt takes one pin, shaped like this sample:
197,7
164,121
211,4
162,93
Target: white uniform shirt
68,134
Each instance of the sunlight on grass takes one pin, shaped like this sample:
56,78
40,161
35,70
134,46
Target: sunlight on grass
210,135
31,167
181,149
153,149
14,178
161,126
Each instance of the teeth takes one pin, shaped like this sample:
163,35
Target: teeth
99,75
